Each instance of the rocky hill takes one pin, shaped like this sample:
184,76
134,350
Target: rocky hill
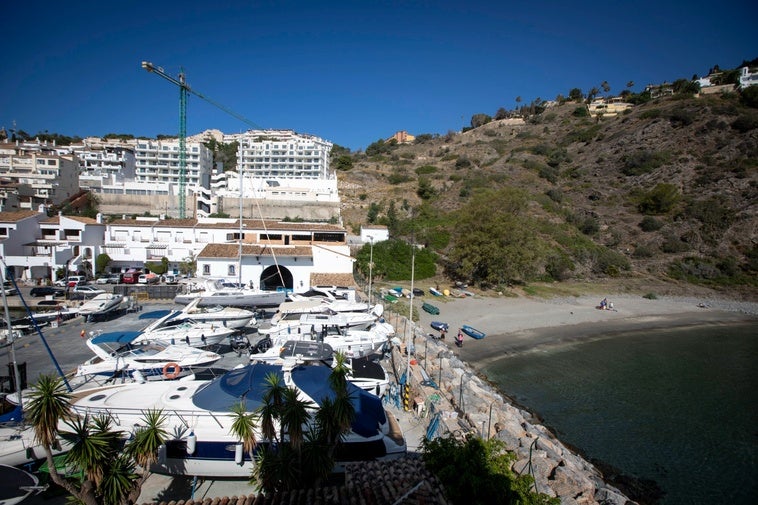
670,185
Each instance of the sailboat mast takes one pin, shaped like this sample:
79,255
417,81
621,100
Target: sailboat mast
11,341
239,267
409,341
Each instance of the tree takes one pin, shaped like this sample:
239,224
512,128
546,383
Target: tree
479,119
158,268
295,458
501,113
493,241
576,95
591,94
630,84
102,261
107,464
478,471
188,266
606,87
344,163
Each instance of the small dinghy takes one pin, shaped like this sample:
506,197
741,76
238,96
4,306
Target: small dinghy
432,309
473,332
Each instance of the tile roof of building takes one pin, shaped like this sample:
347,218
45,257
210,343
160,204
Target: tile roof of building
405,480
232,251
16,215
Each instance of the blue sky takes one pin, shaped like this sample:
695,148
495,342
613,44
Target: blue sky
347,71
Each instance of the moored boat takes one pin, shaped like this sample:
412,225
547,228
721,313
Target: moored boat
206,447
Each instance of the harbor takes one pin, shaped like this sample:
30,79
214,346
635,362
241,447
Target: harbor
445,397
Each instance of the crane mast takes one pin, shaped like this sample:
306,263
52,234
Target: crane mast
184,91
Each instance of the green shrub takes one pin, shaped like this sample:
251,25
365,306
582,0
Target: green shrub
643,162
397,177
650,296
650,114
745,123
681,117
673,245
426,169
581,111
643,251
583,135
649,223
462,162
610,263
555,195
659,200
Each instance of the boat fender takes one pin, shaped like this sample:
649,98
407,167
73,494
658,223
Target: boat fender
191,442
238,454
171,370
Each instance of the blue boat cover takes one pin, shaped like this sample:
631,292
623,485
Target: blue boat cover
248,384
156,314
116,337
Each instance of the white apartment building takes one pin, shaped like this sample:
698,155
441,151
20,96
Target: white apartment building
105,159
274,254
46,176
34,245
282,154
158,161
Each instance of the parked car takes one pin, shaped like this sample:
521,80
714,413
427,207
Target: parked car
148,279
87,290
72,281
9,289
109,279
46,291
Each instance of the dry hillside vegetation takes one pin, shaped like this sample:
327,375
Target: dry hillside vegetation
671,186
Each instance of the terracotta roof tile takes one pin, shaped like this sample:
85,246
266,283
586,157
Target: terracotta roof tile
232,251
17,215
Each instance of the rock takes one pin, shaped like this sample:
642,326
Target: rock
607,496
569,483
541,468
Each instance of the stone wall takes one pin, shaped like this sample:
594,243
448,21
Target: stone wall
468,403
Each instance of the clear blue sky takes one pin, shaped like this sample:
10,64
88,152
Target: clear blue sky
350,72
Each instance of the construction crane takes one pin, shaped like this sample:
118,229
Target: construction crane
184,90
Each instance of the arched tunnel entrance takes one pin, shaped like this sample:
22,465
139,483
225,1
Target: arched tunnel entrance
272,280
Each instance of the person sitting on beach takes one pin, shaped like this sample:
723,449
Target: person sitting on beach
603,303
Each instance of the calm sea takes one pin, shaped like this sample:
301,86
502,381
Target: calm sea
679,407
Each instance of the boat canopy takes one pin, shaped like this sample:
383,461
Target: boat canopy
116,337
248,385
155,314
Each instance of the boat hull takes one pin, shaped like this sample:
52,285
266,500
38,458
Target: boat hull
262,299
472,332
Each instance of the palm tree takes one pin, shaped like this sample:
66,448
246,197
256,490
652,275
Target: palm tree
107,465
243,427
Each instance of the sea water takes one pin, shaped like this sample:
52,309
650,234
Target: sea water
677,406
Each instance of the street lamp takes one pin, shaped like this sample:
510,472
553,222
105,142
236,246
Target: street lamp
370,269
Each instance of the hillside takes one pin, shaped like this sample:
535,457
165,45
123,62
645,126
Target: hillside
667,189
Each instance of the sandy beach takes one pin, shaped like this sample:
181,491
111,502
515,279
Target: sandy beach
516,325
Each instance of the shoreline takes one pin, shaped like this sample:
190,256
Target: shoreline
520,325
516,326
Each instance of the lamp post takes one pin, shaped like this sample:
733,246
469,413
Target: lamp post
370,269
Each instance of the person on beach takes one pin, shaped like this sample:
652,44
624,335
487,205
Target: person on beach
459,339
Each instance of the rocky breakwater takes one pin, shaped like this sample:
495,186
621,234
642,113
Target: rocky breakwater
466,402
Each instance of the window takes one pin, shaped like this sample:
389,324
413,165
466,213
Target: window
232,270
206,269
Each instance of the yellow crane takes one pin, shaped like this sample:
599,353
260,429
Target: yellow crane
184,90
